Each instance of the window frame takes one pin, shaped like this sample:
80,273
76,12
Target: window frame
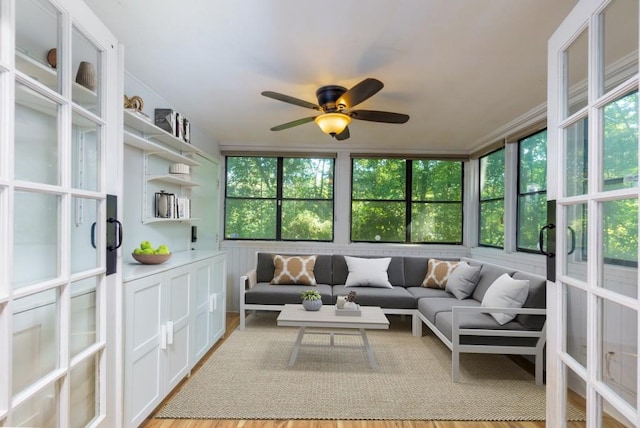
408,201
519,195
279,198
484,201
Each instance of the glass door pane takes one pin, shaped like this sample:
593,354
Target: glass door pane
575,260
37,148
37,51
39,410
576,66
86,62
84,230
84,315
619,350
35,333
84,392
576,155
620,143
36,242
86,153
620,52
576,324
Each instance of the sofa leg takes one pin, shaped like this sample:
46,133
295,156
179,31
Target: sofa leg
242,319
416,325
539,372
455,365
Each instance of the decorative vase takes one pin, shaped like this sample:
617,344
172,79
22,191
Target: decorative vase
312,305
86,75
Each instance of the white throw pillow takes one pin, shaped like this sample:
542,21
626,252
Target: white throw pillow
463,280
505,292
367,272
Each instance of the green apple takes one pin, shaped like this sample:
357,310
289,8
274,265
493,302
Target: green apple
161,250
145,245
147,251
137,251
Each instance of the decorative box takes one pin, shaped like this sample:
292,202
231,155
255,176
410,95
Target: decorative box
165,118
349,312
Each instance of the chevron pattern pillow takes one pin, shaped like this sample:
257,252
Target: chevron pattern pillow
438,273
294,270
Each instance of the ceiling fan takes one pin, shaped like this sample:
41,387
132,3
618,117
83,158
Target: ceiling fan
335,103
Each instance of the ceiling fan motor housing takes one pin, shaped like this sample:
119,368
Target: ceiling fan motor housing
327,96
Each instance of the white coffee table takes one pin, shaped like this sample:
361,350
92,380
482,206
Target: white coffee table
372,318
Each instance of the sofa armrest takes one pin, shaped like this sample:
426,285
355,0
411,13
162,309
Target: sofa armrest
248,280
457,331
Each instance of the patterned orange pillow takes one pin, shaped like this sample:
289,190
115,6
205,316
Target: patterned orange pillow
294,270
438,273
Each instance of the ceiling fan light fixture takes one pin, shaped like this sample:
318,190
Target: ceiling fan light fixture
332,123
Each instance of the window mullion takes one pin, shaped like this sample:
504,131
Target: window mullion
279,194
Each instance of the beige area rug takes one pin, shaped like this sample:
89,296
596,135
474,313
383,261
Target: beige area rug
248,378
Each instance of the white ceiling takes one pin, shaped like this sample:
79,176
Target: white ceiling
460,68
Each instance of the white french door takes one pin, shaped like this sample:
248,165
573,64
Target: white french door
59,158
593,176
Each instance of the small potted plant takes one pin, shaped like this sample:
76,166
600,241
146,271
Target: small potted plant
311,300
351,301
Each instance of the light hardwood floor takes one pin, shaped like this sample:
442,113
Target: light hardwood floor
233,321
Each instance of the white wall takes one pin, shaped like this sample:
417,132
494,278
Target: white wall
176,235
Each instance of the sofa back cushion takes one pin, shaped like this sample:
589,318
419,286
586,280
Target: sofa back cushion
488,274
265,268
537,298
415,269
341,270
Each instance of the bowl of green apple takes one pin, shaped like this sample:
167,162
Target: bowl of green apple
147,255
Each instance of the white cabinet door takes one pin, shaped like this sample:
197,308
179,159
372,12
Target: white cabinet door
201,331
143,348
209,305
176,321
218,314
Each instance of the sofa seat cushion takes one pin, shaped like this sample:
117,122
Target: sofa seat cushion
388,298
264,293
444,323
420,292
432,306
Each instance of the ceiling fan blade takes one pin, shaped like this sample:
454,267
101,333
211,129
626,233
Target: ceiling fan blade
293,123
291,100
359,93
343,135
379,116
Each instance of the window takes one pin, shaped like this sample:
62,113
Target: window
279,198
381,211
491,218
532,190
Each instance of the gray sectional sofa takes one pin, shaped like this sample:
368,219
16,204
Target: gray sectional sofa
463,325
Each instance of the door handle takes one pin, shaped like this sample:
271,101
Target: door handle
118,234
169,332
93,235
549,226
573,240
163,336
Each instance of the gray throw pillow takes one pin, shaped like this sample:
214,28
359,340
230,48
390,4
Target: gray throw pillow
463,280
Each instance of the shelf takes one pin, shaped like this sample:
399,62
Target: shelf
168,220
155,149
48,77
149,130
171,180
